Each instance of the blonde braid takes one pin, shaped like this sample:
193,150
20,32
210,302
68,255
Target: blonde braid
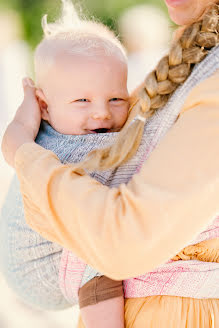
172,70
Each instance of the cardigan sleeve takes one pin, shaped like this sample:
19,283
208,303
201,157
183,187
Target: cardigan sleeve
126,231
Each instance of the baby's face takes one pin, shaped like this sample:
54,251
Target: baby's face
84,95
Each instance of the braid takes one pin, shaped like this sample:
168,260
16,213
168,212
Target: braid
172,70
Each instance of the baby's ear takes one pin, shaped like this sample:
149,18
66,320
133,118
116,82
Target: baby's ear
43,104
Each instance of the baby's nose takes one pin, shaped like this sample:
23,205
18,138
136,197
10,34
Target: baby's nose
101,113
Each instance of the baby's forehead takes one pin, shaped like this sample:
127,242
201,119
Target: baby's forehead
66,63
87,74
67,78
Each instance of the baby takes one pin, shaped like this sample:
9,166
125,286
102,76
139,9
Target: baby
81,78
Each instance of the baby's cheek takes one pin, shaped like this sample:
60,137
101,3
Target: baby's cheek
63,124
120,120
123,115
67,121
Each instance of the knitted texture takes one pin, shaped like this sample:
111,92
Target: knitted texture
31,264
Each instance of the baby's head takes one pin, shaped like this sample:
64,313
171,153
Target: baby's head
81,76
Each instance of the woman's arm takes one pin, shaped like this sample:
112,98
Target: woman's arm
126,231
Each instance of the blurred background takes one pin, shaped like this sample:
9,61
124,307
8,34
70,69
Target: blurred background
145,30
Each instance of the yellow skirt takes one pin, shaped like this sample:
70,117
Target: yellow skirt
170,312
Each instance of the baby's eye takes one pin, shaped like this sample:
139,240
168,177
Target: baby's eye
116,99
82,100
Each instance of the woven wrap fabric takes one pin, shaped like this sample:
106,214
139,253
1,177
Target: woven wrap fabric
31,264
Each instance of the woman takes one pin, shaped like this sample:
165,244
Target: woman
152,213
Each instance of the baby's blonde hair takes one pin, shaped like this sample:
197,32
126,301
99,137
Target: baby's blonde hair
73,35
189,49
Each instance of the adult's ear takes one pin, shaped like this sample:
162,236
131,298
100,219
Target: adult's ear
43,104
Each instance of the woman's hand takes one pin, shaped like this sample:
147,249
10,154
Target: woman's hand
25,125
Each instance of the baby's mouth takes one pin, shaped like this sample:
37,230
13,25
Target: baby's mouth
101,130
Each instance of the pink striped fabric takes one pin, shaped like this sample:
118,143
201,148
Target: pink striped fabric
181,278
70,275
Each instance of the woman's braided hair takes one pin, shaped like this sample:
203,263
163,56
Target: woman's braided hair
172,70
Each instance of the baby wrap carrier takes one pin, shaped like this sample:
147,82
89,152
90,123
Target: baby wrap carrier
29,262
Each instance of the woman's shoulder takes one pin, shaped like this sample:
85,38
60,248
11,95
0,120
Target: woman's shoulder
204,93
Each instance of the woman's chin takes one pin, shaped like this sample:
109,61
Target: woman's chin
185,17
178,17
189,13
